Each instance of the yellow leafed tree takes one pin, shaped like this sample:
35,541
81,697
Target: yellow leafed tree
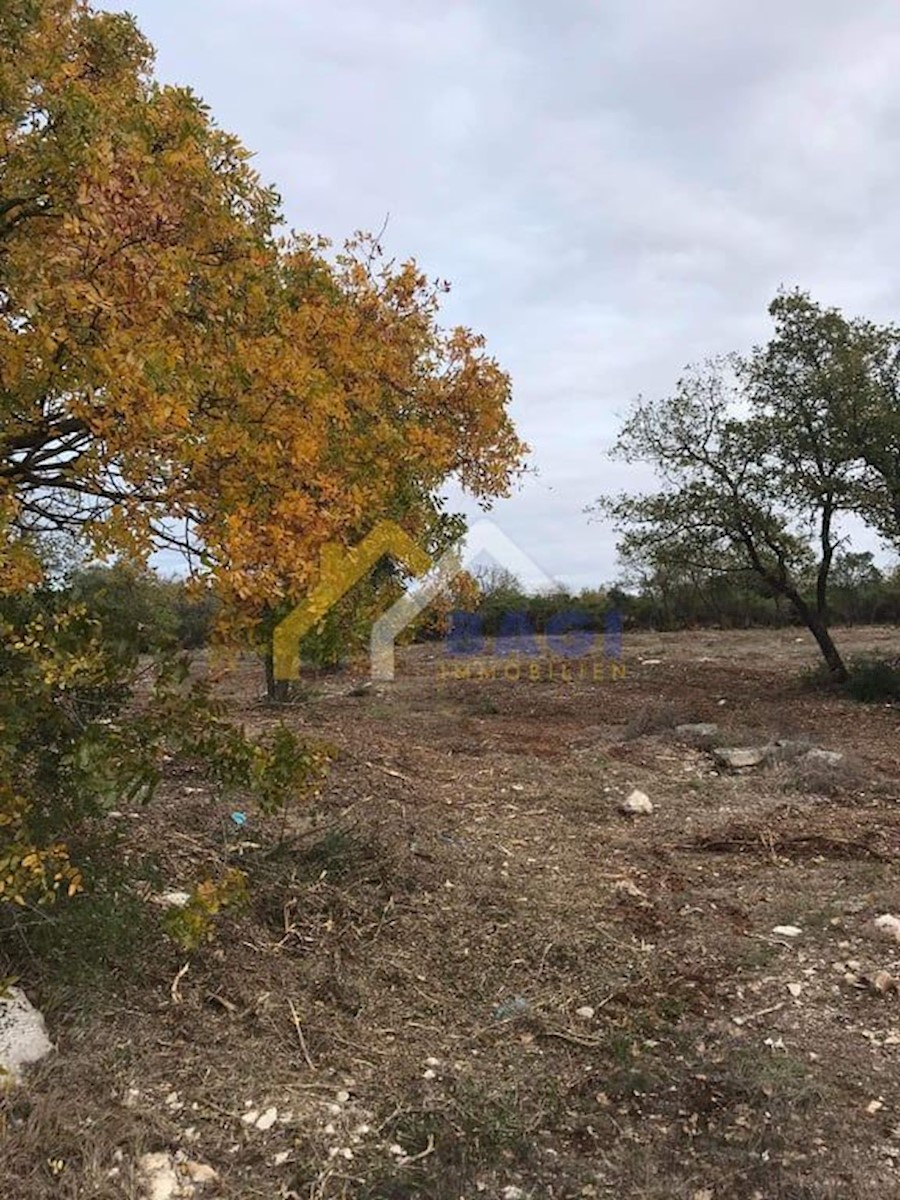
174,371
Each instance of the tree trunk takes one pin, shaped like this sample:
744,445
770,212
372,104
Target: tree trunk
818,628
830,652
276,689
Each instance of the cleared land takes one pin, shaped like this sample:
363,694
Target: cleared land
404,986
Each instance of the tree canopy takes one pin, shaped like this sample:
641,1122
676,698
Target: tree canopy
174,371
760,456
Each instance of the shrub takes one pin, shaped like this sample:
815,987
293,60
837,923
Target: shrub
654,718
130,603
818,777
84,729
873,680
192,925
139,607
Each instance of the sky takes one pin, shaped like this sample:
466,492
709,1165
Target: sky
615,188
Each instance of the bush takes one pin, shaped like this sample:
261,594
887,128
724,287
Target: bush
132,604
873,680
818,777
195,614
85,728
140,608
655,718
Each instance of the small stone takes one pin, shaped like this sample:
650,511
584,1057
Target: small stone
199,1173
23,1035
267,1119
889,925
157,1176
874,1106
342,1097
795,989
281,1157
637,804
790,931
429,1074
250,1117
883,982
174,899
513,1193
585,1012
825,758
739,758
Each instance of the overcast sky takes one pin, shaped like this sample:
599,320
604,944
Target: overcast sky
615,188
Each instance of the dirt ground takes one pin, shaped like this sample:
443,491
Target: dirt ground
464,973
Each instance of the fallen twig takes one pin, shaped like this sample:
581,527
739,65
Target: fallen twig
176,994
574,1038
839,847
389,771
300,1037
429,1149
215,998
763,1012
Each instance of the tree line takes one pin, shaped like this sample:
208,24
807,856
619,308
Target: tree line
151,611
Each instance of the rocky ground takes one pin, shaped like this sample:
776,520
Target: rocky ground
536,939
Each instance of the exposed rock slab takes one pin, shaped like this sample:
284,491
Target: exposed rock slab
739,758
703,729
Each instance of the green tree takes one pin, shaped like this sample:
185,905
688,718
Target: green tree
755,476
131,604
843,373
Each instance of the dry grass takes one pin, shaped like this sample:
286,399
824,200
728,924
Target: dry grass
468,851
814,777
656,718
